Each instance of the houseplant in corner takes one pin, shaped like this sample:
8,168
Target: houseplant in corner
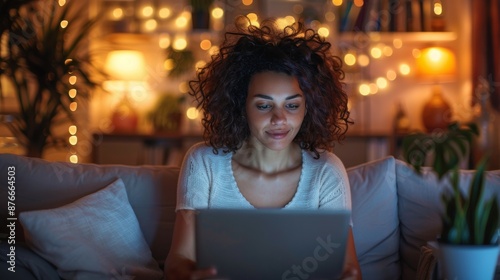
40,61
468,244
166,115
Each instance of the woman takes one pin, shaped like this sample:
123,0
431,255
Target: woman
273,107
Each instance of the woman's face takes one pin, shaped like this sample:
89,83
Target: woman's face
275,109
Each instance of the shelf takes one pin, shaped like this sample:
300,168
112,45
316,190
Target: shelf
382,37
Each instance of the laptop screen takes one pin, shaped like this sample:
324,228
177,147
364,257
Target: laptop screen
272,243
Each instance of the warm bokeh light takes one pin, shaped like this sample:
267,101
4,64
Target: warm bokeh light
205,44
373,88
199,64
363,60
217,13
180,44
61,2
323,31
184,87
376,52
73,106
150,25
416,53
252,17
281,23
387,51
73,159
290,19
73,140
164,13
213,50
247,2
147,11
192,113
169,64
364,89
404,69
72,93
397,43
64,23
117,13
164,41
358,3
381,82
72,129
438,8
337,3
72,80
350,59
181,22
391,75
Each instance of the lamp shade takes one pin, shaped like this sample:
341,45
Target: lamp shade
125,65
437,63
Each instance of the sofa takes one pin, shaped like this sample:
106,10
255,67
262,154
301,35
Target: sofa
88,221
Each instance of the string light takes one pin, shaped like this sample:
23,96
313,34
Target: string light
72,129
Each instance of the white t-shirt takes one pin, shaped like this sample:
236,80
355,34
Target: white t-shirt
207,181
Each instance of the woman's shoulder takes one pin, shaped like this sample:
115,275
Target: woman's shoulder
201,149
326,158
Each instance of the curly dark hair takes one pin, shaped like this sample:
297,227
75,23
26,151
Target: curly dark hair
221,86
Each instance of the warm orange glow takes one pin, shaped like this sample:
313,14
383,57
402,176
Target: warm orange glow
125,65
436,61
205,44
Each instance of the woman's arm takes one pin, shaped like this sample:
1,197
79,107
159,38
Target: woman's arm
351,264
180,262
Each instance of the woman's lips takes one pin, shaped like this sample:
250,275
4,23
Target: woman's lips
277,134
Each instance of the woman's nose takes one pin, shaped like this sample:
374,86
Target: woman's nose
278,117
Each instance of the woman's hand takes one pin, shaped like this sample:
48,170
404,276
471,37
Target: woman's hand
351,269
185,269
350,273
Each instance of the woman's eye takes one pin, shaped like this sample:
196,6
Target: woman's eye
293,106
263,107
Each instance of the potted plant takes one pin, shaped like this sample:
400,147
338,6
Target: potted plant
40,56
468,244
166,115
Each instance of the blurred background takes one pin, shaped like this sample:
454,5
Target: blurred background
119,94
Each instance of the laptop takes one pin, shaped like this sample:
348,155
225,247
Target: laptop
272,243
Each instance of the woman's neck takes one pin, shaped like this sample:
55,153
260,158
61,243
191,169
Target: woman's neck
268,161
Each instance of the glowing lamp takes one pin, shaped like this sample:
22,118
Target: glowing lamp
439,65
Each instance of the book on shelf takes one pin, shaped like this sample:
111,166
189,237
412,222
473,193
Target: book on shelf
386,16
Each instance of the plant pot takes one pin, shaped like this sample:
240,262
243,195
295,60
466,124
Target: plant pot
465,262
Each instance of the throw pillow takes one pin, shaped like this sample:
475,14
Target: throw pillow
95,237
375,218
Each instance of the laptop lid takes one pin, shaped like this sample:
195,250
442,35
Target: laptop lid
272,243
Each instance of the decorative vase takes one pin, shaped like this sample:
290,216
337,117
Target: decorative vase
466,262
437,112
124,118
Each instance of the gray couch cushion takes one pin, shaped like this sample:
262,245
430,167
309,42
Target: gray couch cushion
28,264
375,218
43,185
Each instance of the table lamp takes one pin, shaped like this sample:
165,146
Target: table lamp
124,67
439,65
